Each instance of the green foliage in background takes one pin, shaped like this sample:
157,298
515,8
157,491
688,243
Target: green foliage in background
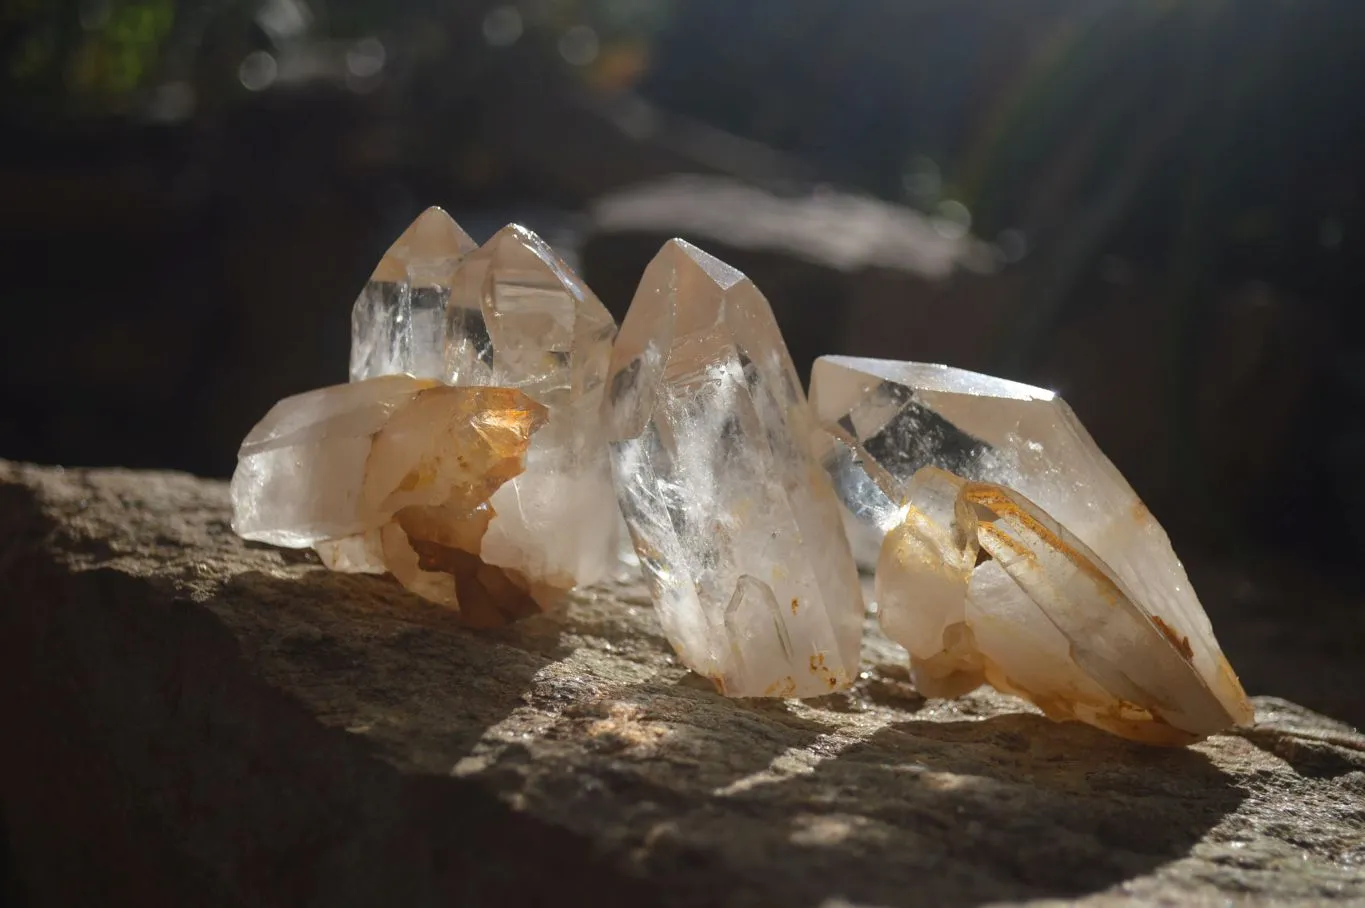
88,57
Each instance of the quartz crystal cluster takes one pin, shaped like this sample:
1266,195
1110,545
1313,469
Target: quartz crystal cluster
498,437
733,519
1015,553
507,315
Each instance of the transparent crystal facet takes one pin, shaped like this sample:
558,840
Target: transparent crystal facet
733,520
398,321
1018,553
300,470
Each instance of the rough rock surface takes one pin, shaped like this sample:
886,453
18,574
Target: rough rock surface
192,719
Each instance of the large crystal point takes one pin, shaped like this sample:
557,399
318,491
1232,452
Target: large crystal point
733,519
398,321
1017,554
393,473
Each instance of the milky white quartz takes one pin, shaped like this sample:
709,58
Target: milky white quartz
1016,554
732,517
506,314
393,473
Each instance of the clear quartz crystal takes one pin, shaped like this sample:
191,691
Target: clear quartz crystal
733,519
300,470
393,473
398,321
1017,553
508,314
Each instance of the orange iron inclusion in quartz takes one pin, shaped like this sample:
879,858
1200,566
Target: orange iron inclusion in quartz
393,473
466,456
1010,551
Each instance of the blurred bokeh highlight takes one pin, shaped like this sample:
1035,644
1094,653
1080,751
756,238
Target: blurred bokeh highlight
1152,206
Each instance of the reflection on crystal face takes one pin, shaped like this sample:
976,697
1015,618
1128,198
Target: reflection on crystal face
732,518
1021,556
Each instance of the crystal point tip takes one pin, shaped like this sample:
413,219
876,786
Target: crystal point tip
734,523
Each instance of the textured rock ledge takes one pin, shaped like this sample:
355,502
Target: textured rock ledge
191,719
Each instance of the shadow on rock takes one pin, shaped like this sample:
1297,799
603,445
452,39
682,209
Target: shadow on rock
399,668
637,764
580,716
1011,807
262,745
1316,746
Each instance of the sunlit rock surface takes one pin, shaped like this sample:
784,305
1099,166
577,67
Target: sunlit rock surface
394,474
732,517
508,314
224,690
1016,554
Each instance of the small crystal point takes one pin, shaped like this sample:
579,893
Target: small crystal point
1021,556
427,251
397,323
392,473
733,520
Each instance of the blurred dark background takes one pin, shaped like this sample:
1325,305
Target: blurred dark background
1153,207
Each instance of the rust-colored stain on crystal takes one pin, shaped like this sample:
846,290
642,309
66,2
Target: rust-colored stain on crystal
995,499
818,667
1129,720
418,476
796,604
1120,717
781,688
489,596
1245,714
1180,643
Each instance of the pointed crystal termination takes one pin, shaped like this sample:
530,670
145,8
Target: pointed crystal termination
1017,554
734,521
518,317
393,473
398,321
